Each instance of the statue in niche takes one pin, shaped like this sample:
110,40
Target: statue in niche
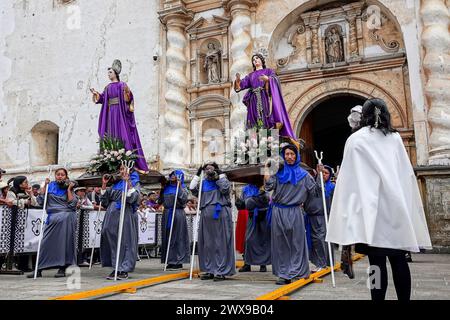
212,62
213,146
333,46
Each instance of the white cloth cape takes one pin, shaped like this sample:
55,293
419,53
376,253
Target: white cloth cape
377,199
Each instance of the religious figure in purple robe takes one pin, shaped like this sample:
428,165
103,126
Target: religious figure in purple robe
117,114
264,100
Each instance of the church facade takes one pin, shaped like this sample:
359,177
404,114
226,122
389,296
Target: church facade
180,58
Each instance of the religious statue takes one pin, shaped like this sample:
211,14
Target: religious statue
264,100
211,64
213,146
333,46
116,118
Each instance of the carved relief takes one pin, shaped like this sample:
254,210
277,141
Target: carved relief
375,27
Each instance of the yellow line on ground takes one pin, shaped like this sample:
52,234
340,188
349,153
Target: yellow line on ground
127,287
289,288
130,287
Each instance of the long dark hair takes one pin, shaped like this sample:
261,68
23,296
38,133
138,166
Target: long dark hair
263,60
382,121
16,184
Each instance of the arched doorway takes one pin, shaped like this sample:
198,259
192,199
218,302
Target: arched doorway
325,128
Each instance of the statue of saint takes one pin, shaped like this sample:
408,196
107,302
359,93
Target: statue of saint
333,46
117,114
264,100
211,64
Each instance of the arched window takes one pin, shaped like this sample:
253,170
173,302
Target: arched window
44,144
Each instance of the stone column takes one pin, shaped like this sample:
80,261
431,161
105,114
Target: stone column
311,21
353,13
436,63
241,52
353,43
315,43
175,133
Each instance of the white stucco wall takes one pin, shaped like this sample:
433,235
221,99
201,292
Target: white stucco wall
51,54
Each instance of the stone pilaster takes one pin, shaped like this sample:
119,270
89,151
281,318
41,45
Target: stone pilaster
175,133
436,63
241,52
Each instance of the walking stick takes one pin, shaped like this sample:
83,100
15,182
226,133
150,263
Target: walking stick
234,215
128,165
326,215
44,208
171,222
195,228
95,235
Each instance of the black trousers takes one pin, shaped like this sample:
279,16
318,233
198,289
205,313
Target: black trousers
378,277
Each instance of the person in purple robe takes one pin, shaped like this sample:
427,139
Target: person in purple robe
116,118
264,100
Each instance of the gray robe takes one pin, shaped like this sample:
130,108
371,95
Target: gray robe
215,236
289,246
179,252
58,246
257,236
319,249
110,230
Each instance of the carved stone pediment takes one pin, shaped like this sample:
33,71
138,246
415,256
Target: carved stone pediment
309,42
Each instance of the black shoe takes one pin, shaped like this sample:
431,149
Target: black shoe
262,269
111,275
282,281
408,257
61,273
219,278
174,266
38,275
122,275
245,268
207,276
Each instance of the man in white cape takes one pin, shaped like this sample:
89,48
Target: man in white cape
376,203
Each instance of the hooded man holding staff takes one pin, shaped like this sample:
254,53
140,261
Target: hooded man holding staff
111,198
179,251
257,236
58,246
215,235
292,188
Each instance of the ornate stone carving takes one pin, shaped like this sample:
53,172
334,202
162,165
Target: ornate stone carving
240,49
353,41
212,63
390,46
334,47
175,142
436,62
300,29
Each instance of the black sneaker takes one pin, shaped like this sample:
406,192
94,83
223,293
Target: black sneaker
61,273
282,281
174,266
219,278
262,269
207,276
38,275
111,276
122,275
245,268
